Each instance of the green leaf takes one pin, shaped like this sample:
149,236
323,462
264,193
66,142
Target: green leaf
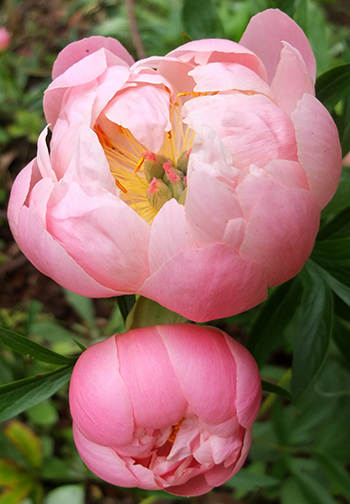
11,473
201,21
125,304
248,480
336,472
313,490
146,313
272,319
26,441
312,326
17,396
83,307
16,494
333,85
275,389
29,348
342,339
340,221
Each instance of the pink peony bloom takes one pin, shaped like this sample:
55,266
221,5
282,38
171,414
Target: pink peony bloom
194,179
165,407
5,39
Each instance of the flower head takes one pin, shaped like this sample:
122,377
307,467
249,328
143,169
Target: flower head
165,407
195,179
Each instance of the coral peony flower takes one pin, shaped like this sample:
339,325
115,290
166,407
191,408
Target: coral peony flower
5,39
194,179
165,407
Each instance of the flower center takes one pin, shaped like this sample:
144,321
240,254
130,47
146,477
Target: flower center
147,180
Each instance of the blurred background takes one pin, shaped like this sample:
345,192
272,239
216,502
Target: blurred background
300,452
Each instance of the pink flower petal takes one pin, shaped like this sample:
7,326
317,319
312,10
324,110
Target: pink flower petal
103,461
291,80
49,257
99,399
264,36
208,283
319,149
281,233
98,230
80,49
170,235
214,400
154,390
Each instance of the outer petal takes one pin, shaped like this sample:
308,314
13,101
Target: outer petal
21,188
199,357
77,51
291,80
50,258
98,230
151,381
319,150
207,283
99,400
281,233
248,390
104,461
264,36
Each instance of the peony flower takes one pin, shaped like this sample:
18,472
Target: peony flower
5,39
165,407
194,179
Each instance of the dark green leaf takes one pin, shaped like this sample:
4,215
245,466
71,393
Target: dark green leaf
340,201
27,347
201,21
341,337
275,389
313,490
125,304
333,85
337,286
271,321
17,396
312,326
333,226
336,472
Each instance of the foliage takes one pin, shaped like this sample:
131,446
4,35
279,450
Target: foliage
300,336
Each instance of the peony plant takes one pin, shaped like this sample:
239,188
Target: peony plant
195,179
166,407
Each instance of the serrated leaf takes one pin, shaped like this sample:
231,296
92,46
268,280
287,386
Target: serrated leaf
201,21
312,326
29,348
146,313
333,85
272,319
26,441
17,396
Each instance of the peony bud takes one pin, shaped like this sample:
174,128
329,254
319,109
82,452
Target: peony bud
165,407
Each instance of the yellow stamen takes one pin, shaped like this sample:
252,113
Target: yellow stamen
175,430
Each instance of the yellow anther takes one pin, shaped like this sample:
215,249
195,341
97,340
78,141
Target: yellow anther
139,164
